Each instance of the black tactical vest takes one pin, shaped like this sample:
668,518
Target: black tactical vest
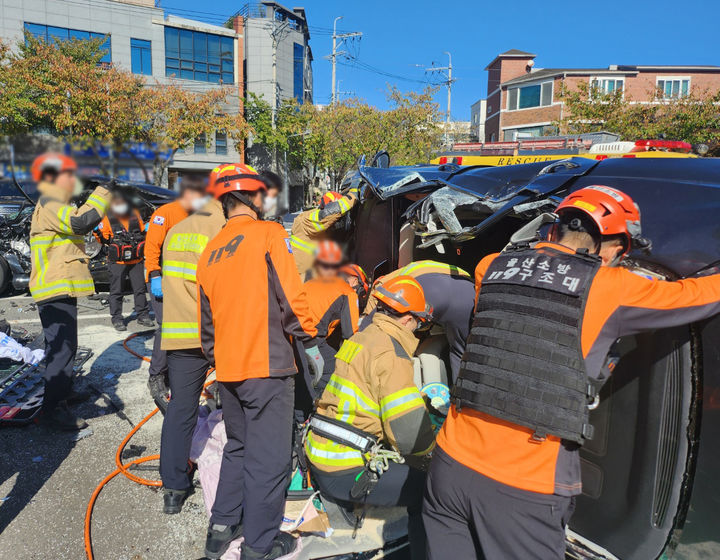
126,244
523,361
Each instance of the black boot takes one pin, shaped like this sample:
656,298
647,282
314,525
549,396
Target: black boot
61,418
173,500
145,321
119,324
219,538
283,545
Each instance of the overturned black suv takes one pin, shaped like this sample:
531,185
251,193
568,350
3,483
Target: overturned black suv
651,475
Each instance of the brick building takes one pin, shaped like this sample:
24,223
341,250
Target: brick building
523,101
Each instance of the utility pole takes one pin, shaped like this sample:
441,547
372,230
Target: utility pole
276,35
335,53
447,72
339,93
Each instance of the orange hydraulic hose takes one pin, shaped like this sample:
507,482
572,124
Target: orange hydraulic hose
124,468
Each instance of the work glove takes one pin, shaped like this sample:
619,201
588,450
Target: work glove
316,363
156,287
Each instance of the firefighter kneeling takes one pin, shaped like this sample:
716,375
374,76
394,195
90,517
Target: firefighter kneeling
371,411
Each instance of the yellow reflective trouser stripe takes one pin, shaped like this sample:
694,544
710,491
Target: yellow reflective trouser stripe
315,220
192,242
304,246
179,269
331,454
97,202
347,390
77,287
432,266
64,216
179,330
400,401
348,351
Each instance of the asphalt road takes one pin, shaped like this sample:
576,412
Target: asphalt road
47,478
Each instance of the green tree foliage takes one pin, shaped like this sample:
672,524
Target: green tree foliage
63,88
333,138
694,119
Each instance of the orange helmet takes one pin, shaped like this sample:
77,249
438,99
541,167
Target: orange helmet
611,210
55,163
356,271
329,253
236,178
403,294
328,197
214,176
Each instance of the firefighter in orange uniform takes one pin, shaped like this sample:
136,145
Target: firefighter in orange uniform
502,481
314,225
334,308
122,230
251,303
192,196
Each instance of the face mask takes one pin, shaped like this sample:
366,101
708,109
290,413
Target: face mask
198,203
270,204
119,209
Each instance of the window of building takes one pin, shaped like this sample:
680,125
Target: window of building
526,97
513,134
604,86
141,56
194,55
200,145
299,72
52,34
672,88
221,143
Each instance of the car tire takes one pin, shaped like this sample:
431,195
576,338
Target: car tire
5,275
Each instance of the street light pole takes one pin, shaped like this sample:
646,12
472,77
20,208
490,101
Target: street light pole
448,83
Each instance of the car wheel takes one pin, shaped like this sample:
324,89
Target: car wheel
5,275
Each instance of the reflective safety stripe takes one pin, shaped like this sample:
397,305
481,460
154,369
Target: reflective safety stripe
39,246
179,269
180,330
191,242
331,454
425,267
347,390
341,434
304,246
73,287
400,401
348,351
63,215
315,220
344,205
97,202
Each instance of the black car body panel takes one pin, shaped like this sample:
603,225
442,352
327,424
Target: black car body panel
651,484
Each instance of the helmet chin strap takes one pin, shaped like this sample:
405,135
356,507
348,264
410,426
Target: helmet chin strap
245,199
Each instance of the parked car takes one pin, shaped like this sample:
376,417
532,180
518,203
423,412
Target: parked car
650,476
16,213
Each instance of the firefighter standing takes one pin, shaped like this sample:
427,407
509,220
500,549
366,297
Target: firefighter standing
313,225
372,398
271,209
187,365
451,293
251,302
507,467
192,197
60,275
122,230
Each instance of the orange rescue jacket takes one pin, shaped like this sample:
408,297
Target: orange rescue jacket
332,303
160,223
251,301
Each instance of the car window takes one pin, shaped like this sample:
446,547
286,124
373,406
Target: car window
7,188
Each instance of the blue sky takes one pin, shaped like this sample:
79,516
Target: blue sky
398,35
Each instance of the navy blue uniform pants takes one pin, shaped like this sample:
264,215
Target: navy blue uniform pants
255,468
468,515
59,321
187,370
158,361
400,485
136,275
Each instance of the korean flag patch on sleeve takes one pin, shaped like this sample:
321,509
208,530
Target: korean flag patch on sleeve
289,247
158,220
